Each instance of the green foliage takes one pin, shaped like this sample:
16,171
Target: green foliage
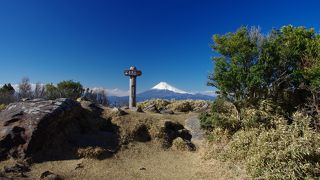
52,92
224,115
70,89
7,88
7,94
254,66
239,52
267,77
64,89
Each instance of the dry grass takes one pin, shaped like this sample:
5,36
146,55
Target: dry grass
177,106
91,152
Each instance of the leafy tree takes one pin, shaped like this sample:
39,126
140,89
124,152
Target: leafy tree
70,89
282,66
7,88
239,52
51,92
7,94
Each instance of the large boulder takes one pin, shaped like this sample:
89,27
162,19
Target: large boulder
25,127
53,129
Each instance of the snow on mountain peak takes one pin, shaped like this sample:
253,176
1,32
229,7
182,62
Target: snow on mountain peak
168,87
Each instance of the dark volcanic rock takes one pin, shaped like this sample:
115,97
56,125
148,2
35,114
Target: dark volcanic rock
43,130
27,127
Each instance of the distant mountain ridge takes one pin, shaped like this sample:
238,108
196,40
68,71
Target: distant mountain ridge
162,90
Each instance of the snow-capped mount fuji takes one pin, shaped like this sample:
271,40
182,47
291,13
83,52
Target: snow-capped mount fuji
162,90
167,87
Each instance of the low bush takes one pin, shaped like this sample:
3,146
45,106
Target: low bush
285,152
224,115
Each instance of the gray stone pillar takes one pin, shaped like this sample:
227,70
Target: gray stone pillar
133,92
133,73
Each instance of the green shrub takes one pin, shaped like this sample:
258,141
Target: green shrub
205,121
224,115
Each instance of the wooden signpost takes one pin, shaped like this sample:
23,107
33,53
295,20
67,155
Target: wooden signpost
133,73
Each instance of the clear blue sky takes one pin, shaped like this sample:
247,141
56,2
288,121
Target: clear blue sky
93,41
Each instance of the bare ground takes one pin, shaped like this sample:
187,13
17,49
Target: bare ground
146,161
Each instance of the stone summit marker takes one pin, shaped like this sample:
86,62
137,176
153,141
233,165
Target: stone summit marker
133,73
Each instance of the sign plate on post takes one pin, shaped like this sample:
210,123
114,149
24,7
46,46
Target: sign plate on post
132,73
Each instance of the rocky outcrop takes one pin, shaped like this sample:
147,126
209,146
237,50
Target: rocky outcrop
27,126
36,126
169,131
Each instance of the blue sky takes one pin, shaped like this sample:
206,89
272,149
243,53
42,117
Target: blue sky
93,41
